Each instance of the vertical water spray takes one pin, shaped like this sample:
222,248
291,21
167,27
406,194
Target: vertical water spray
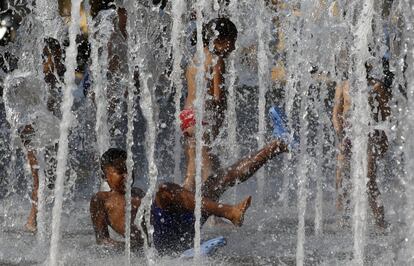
408,131
292,37
302,171
232,144
46,12
100,35
178,8
320,157
130,167
41,212
321,30
263,77
304,84
100,28
147,106
65,125
137,63
199,111
132,61
360,121
409,156
11,169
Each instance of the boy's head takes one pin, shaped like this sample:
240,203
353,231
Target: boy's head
113,164
221,33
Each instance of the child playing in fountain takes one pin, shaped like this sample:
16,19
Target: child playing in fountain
54,70
35,120
378,99
219,37
173,206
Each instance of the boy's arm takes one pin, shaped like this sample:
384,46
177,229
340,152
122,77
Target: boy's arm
219,102
99,221
218,81
338,108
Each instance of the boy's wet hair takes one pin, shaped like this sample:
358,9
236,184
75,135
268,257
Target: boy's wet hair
218,28
116,158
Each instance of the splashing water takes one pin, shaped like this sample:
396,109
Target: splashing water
65,125
263,74
360,138
177,46
199,113
302,229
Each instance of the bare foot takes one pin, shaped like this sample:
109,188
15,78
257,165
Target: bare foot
31,227
239,211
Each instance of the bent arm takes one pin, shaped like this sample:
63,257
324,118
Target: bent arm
219,102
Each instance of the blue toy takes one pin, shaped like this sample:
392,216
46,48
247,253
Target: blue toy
207,248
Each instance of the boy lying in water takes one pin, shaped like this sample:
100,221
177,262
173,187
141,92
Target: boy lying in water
172,209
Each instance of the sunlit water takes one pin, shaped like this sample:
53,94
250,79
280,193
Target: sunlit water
296,220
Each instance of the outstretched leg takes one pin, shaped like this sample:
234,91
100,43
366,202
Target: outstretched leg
241,171
171,196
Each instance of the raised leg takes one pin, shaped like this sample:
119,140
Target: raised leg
173,197
242,170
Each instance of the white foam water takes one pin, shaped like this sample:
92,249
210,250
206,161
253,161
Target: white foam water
263,78
199,113
360,121
65,125
178,8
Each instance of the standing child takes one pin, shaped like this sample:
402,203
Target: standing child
219,37
379,96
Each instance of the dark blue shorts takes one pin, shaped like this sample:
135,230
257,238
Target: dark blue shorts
173,231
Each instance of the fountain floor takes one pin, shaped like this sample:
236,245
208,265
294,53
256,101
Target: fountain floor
271,243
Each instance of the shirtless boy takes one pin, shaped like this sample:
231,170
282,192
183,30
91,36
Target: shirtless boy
378,99
219,37
173,206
